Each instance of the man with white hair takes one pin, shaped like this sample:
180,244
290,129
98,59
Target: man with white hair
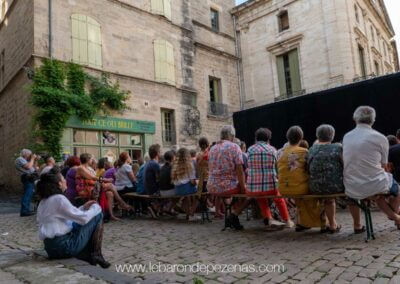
365,157
25,165
226,174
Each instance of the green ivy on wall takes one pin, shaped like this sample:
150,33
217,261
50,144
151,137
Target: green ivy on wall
60,90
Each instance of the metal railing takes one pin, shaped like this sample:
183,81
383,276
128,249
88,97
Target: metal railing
217,109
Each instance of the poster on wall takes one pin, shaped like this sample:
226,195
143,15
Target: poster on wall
109,138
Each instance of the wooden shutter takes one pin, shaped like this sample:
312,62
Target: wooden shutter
295,71
281,75
170,63
167,9
75,38
157,7
94,42
159,59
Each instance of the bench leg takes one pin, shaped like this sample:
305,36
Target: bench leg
228,210
368,221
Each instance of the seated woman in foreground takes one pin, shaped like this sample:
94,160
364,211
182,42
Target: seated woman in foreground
66,230
293,180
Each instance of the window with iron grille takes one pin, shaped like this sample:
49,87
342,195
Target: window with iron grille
214,20
283,19
168,126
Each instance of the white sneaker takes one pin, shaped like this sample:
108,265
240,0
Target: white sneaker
211,209
194,218
274,223
289,224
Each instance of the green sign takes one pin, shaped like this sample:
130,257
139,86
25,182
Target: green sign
114,124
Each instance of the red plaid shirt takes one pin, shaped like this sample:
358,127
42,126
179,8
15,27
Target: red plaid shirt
261,172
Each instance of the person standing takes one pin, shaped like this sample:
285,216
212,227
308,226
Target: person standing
26,168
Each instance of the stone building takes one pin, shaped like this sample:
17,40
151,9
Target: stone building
294,47
176,57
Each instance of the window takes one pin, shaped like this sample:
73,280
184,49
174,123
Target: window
162,7
289,74
283,19
215,90
214,20
356,13
101,143
362,61
377,69
86,41
164,61
168,126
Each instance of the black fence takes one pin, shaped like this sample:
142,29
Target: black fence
334,106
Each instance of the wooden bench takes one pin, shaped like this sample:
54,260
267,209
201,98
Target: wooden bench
204,211
362,204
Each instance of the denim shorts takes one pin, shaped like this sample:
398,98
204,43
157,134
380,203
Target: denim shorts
186,189
394,189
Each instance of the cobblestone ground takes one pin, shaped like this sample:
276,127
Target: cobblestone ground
307,257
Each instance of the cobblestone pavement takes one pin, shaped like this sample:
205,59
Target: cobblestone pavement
307,257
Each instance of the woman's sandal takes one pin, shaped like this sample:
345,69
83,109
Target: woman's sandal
359,231
334,231
301,228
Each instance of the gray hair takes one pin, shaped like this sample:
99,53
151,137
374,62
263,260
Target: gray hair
364,114
26,152
325,133
227,132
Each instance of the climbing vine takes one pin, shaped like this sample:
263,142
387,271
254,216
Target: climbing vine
61,90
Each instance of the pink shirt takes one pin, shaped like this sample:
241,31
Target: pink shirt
223,159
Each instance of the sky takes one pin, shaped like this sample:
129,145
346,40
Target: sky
393,7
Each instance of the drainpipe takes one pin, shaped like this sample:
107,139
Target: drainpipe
239,63
50,31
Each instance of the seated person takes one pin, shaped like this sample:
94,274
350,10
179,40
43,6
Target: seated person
325,166
262,178
73,164
49,164
101,167
226,175
365,157
151,178
293,180
125,180
184,178
86,181
167,188
151,174
66,230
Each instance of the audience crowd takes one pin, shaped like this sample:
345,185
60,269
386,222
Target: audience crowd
365,165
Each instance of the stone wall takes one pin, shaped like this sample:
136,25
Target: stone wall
326,35
16,39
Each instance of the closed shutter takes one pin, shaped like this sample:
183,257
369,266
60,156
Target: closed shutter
86,40
157,7
167,9
159,59
170,63
295,71
75,39
94,43
281,75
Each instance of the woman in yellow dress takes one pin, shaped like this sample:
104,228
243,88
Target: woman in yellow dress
293,180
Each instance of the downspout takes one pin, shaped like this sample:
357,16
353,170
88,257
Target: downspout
50,31
239,63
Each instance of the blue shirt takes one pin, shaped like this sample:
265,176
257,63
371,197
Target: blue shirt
151,177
